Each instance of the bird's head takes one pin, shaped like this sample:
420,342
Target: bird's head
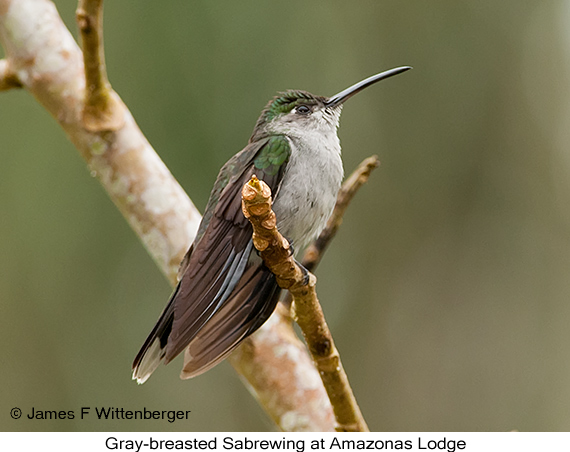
295,112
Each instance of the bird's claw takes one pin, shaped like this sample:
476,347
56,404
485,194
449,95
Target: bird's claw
291,250
306,274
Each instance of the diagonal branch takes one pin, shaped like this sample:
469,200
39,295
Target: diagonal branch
8,80
102,110
357,179
50,66
288,365
276,253
315,251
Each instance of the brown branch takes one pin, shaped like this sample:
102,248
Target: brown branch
276,253
103,110
8,80
50,65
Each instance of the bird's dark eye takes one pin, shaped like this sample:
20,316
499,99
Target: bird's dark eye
303,110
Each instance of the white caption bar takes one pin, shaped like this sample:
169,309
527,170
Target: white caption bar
293,442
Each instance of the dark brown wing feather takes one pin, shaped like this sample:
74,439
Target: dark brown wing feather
221,268
251,303
225,291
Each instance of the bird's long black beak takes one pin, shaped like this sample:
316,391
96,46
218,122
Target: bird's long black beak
339,98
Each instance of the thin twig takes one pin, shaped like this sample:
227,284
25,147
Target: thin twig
8,80
157,208
315,251
276,254
102,110
357,179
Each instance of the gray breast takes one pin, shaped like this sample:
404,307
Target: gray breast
309,188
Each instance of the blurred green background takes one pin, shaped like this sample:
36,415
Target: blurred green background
447,288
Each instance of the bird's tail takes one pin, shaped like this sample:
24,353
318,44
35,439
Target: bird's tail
154,348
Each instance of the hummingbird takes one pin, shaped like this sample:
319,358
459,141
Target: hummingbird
225,292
